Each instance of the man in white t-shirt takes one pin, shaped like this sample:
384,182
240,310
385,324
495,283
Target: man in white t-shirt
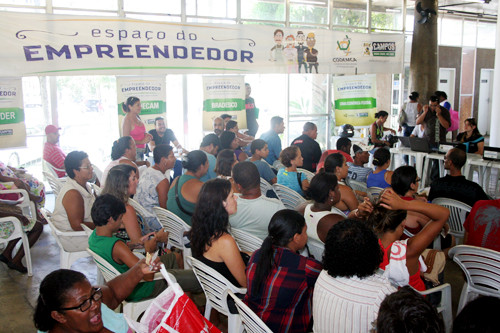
357,171
254,210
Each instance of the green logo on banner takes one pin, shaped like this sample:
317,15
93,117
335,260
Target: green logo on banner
149,107
355,103
11,116
218,105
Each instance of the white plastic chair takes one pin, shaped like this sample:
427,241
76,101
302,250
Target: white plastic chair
214,286
308,173
316,248
18,233
251,322
132,309
458,210
96,188
139,210
482,272
374,193
246,242
55,183
27,206
444,306
50,169
357,187
176,228
290,198
66,256
265,186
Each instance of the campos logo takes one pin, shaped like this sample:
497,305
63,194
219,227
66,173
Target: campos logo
379,49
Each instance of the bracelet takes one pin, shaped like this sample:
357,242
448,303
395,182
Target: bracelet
356,213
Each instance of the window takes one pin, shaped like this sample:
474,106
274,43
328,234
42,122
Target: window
270,10
450,32
387,15
309,11
87,4
352,14
214,8
153,6
486,34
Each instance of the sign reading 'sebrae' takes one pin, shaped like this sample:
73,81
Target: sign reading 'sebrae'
384,49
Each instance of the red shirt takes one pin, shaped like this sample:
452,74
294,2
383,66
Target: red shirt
483,224
321,162
54,155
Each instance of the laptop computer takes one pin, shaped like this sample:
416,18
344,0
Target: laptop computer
420,145
405,141
491,153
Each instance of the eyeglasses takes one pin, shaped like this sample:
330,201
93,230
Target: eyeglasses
85,305
86,167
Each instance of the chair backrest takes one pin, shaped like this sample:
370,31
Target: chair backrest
214,285
337,211
356,186
481,267
174,225
251,322
97,171
265,186
288,197
54,182
246,241
374,193
316,248
308,173
27,206
58,234
107,270
50,169
458,210
87,230
139,210
96,188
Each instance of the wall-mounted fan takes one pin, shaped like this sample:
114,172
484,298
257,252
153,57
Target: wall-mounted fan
425,13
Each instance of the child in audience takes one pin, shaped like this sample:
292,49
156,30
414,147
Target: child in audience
280,281
260,151
291,157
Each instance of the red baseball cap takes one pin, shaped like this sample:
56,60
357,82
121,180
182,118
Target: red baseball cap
51,129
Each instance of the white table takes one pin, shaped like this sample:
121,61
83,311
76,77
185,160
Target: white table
485,167
419,158
425,172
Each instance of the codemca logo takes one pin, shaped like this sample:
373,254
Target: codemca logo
379,49
344,46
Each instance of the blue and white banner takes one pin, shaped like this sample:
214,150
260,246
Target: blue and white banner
43,44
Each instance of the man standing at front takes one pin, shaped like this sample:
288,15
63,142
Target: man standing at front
52,153
311,152
436,119
273,140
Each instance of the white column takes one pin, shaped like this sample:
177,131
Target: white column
495,104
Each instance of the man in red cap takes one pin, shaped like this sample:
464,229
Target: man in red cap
52,153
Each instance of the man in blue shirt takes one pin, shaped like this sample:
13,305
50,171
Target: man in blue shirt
210,146
273,140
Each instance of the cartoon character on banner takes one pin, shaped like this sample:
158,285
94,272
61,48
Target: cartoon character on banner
277,50
290,53
301,49
311,53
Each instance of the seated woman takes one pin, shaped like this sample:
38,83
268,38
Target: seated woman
183,193
226,160
243,139
122,183
472,139
75,200
280,281
336,163
405,184
122,152
387,220
153,187
324,192
107,214
211,242
228,140
291,157
260,151
69,303
381,177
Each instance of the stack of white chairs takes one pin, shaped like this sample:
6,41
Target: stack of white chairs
251,322
290,198
215,287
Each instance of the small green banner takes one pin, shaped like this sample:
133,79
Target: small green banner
355,103
218,105
148,107
11,116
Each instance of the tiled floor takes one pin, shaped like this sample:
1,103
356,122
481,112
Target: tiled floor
18,292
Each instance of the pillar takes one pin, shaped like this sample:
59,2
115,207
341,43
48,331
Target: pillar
495,104
424,68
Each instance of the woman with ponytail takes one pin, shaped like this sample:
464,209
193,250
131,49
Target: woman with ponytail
377,130
133,126
280,281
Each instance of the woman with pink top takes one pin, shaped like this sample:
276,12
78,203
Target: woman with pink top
133,126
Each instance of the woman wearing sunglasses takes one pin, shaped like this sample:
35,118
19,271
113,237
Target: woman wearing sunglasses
69,303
